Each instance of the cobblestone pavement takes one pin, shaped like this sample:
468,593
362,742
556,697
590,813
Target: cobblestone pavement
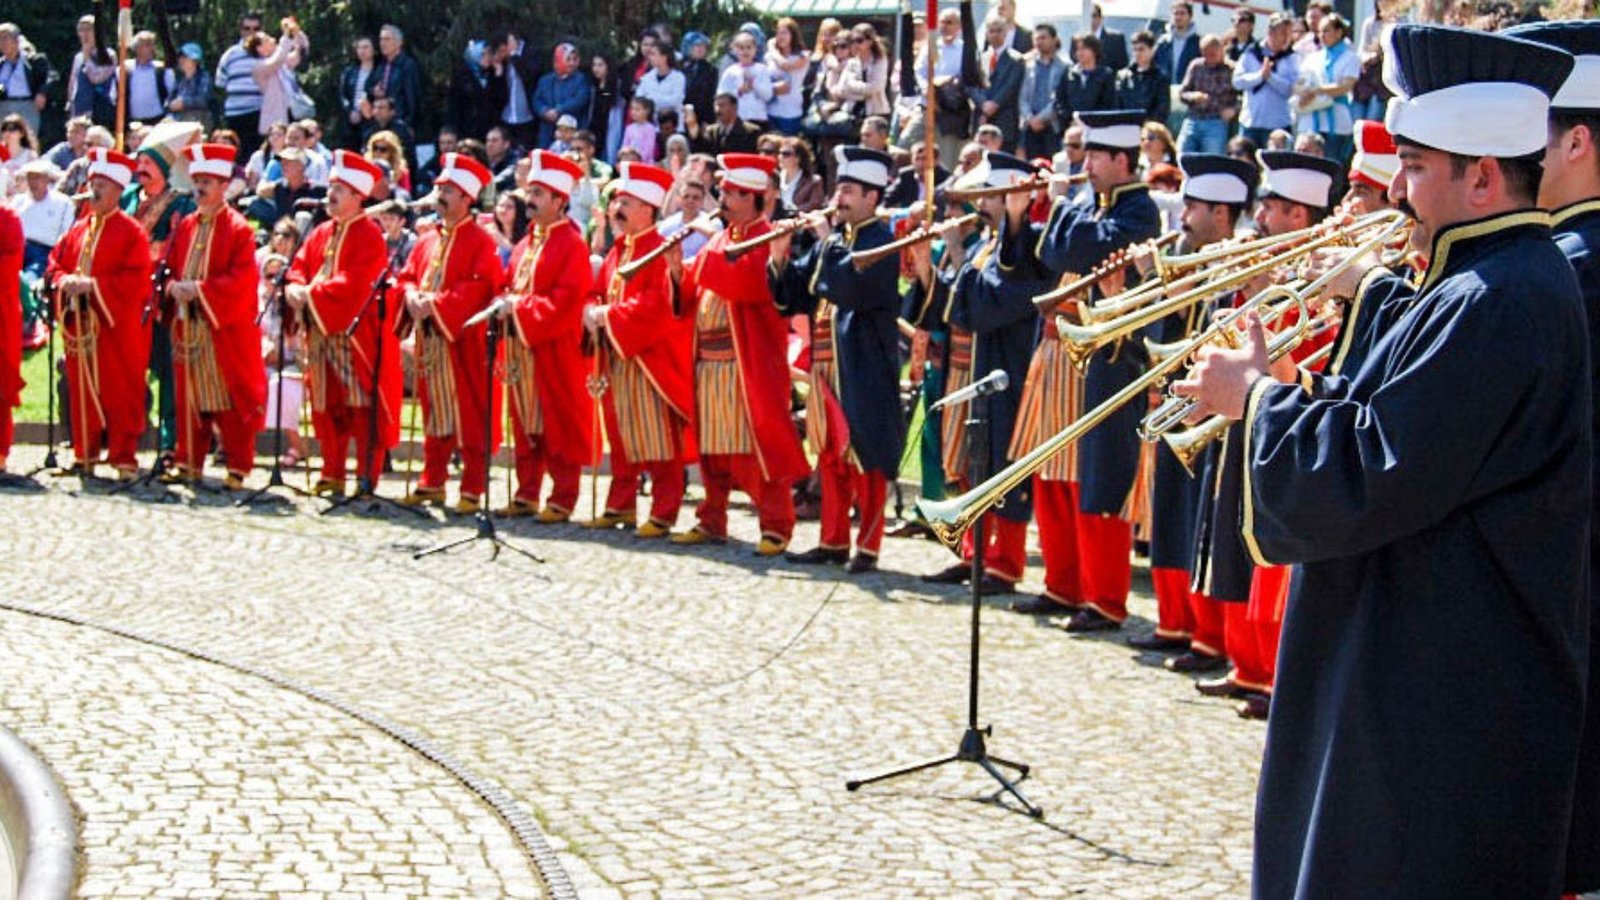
680,722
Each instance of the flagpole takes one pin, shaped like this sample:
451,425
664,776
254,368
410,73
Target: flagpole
124,37
930,141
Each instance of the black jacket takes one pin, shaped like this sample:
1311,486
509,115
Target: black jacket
1148,89
740,137
1080,91
907,186
475,106
1113,50
36,67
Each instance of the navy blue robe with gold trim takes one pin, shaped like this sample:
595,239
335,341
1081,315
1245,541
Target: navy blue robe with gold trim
1577,233
865,334
995,303
1426,718
1076,239
1174,490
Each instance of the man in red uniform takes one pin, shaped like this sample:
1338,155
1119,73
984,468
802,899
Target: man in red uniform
215,340
741,371
452,275
11,384
101,273
328,285
546,374
649,401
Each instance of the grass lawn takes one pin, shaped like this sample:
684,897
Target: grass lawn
36,374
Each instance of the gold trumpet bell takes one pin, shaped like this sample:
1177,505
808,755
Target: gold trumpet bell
947,519
1187,445
1159,352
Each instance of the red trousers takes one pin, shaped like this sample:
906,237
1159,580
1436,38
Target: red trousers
1090,554
1210,634
194,438
1253,630
336,427
1005,552
89,425
774,500
666,488
533,460
436,452
1174,607
845,487
7,431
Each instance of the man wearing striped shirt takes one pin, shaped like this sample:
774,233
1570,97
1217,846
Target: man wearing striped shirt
241,103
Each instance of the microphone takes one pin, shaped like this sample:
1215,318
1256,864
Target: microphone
494,309
992,383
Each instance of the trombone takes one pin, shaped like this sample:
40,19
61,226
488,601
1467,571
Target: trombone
951,518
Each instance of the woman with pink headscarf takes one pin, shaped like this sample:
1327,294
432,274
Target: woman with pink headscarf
562,91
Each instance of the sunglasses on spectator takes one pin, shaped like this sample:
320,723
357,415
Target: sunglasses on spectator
858,40
282,234
786,152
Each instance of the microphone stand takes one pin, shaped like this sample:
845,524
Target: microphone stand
51,463
485,522
973,749
275,479
366,485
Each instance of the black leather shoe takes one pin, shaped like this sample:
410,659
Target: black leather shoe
1039,606
1157,643
861,562
911,528
1086,620
1254,706
1219,687
1193,661
958,573
993,585
817,556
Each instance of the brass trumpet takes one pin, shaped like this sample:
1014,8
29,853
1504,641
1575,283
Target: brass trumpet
1084,340
780,229
951,518
862,259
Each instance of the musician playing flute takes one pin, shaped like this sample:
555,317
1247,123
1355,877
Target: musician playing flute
853,416
741,374
994,305
1430,700
1082,495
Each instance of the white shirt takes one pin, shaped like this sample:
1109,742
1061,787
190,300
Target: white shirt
691,245
665,91
44,221
144,100
948,63
752,102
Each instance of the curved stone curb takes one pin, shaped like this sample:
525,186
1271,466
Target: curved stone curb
37,821
545,861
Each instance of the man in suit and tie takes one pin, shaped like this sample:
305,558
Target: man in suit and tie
995,103
1113,43
1018,38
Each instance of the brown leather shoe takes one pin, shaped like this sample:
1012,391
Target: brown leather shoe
1219,687
1254,706
1195,661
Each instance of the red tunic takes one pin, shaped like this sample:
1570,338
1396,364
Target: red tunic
642,326
464,279
120,267
760,340
548,320
340,287
11,245
228,276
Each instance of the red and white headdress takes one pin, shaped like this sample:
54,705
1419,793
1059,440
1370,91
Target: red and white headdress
747,171
465,173
644,182
210,159
554,171
1377,159
111,165
355,171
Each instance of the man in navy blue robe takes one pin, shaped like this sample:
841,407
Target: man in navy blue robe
1425,737
854,420
1570,190
1083,500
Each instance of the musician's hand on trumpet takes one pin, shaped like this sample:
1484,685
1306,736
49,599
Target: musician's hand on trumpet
1221,378
1346,280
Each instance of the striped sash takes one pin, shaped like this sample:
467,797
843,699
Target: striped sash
649,430
719,394
1052,398
520,384
195,347
953,428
